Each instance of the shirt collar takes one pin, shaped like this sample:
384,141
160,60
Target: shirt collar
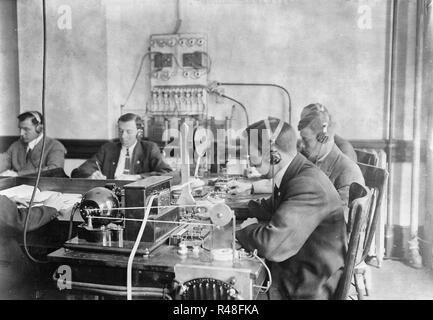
328,163
31,145
280,174
326,154
130,149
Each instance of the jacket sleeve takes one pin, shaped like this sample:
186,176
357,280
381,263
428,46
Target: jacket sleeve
55,159
346,147
294,221
156,162
15,218
5,160
90,166
351,173
56,156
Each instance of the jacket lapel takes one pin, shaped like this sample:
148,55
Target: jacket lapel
36,153
136,158
291,172
114,160
328,164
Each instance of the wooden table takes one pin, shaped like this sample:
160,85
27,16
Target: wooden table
155,271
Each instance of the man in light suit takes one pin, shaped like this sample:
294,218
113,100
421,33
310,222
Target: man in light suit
342,144
22,157
317,131
129,159
301,232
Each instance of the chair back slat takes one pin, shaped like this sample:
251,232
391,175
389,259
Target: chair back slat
366,157
375,179
360,199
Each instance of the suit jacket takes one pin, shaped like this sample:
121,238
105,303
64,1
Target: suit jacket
342,172
12,217
345,147
15,157
305,238
15,266
146,159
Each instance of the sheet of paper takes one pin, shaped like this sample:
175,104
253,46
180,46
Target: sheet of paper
23,191
43,195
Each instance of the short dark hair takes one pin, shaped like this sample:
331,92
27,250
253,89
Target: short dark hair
286,139
314,116
132,117
36,117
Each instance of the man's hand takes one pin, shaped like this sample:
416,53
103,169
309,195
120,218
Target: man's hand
9,173
238,188
55,201
248,222
97,175
252,172
128,177
19,201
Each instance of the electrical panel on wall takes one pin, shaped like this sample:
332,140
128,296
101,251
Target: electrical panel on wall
179,72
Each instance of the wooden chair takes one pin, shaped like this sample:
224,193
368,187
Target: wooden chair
375,179
367,157
359,199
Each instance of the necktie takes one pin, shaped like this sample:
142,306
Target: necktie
274,197
28,154
276,191
127,162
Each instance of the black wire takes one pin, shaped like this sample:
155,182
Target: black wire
71,219
239,103
137,76
179,20
262,85
26,223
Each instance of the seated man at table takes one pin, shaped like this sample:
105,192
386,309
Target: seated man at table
129,159
22,157
302,233
341,143
318,145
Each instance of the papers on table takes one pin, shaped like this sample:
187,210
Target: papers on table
23,194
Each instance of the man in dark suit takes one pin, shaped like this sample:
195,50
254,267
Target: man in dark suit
129,159
317,131
302,233
16,271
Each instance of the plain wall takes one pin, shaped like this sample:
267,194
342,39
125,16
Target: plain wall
9,83
314,48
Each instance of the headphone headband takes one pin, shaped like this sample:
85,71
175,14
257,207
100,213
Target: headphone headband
273,135
36,116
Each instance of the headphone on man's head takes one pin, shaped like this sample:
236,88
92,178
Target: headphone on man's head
140,127
38,119
275,156
322,136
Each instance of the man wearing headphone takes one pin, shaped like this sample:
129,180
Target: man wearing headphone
129,159
318,145
301,229
341,143
22,157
